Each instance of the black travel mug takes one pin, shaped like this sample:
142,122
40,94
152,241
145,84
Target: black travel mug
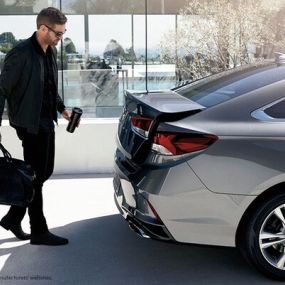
74,119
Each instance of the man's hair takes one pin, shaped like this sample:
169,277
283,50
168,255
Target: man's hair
50,16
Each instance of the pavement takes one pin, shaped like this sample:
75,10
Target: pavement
103,250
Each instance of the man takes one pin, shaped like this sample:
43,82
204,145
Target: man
29,84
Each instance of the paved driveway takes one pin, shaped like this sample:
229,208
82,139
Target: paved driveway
102,249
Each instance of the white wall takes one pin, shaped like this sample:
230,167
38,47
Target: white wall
90,149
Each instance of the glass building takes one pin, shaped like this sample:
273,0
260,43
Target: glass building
109,46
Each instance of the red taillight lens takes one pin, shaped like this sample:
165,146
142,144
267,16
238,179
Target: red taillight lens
178,143
141,125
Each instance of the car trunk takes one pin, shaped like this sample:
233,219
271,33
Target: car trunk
143,112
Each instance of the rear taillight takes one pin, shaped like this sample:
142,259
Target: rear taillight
172,143
141,125
167,143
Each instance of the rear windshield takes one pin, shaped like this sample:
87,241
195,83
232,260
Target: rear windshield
224,86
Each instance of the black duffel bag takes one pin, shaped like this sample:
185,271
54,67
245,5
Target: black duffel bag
16,180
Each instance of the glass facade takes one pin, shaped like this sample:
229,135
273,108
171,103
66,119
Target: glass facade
109,46
113,45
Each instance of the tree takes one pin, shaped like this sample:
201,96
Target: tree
7,41
219,34
114,52
274,38
7,37
69,46
130,55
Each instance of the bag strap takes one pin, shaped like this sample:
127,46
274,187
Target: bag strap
6,153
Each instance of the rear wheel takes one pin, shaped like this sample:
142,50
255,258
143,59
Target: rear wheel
262,240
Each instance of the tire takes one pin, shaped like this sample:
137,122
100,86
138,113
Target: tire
262,238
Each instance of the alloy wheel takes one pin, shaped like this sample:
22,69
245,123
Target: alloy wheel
272,238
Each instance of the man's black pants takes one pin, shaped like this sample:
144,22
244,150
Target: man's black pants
39,153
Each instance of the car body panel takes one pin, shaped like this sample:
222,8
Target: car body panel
190,212
199,217
244,144
250,166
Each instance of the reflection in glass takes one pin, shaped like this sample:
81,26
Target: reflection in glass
104,49
161,70
14,29
25,7
101,7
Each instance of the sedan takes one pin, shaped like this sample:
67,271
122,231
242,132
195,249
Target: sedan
204,163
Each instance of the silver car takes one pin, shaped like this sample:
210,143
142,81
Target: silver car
205,163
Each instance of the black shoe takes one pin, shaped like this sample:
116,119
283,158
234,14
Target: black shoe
16,230
48,238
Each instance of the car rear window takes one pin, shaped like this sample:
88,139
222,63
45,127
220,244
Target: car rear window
224,86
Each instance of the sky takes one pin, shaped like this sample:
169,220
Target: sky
102,28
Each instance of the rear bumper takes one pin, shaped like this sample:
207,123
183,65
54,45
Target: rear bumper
144,225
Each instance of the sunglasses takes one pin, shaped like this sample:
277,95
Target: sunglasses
57,34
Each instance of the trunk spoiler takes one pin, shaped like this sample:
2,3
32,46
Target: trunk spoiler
164,102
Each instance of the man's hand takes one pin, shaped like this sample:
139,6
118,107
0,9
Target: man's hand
66,114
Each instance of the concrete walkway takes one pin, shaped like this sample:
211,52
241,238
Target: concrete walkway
102,249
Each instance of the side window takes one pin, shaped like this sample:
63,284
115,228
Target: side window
277,110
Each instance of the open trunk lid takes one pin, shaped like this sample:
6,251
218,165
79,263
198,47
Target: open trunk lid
153,108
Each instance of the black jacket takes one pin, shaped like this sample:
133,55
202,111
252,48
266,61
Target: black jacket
22,85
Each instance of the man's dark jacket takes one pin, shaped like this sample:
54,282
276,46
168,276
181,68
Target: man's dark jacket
22,85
